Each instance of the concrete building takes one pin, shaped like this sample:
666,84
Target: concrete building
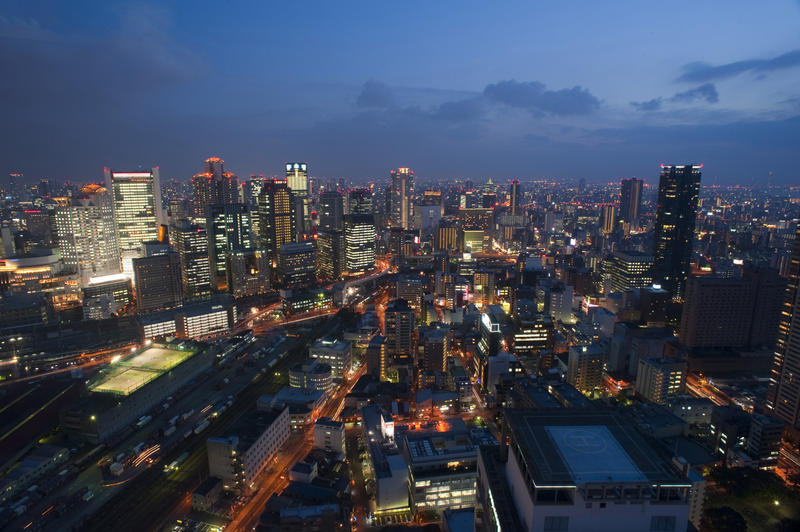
359,243
248,272
629,269
585,367
137,206
399,318
578,471
297,265
191,243
660,379
329,435
238,457
435,350
311,374
442,466
120,393
338,354
158,282
331,263
377,357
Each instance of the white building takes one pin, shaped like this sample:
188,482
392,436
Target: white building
311,374
660,379
578,471
338,354
329,435
238,458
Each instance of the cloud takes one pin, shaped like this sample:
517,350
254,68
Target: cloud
649,105
375,94
700,72
534,96
704,93
462,110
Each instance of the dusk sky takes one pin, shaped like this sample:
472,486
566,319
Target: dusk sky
569,90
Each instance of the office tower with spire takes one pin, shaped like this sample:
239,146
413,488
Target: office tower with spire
783,395
275,216
401,196
630,200
87,234
678,193
213,186
137,204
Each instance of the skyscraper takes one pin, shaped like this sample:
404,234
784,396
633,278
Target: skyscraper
629,269
401,198
87,235
399,318
275,216
514,192
214,186
158,281
783,395
331,254
248,272
228,228
297,181
359,201
297,265
331,210
630,200
678,192
359,236
137,206
191,244
608,219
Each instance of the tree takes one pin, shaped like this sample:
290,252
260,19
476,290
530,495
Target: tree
724,519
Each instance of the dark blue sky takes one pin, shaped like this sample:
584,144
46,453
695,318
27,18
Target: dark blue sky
595,90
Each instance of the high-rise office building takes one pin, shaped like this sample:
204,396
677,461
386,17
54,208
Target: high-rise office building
213,186
191,243
738,313
137,206
275,216
297,181
377,358
447,234
359,201
87,235
228,228
428,210
514,192
359,237
331,254
678,192
331,211
630,200
435,350
158,281
297,265
628,269
783,396
248,272
401,198
399,318
608,219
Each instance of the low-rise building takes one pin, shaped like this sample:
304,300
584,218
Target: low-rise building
329,435
338,354
312,374
250,443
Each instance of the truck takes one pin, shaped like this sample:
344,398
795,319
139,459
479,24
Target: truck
144,420
187,433
173,420
138,448
169,431
88,495
200,427
116,469
176,464
186,415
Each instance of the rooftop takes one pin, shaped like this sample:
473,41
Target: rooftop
131,373
571,447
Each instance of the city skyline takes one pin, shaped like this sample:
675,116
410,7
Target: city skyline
603,110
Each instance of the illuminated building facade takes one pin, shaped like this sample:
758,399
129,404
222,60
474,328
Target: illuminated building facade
214,186
87,235
629,269
137,206
191,244
228,228
331,254
297,265
359,236
401,198
678,192
297,181
275,216
248,272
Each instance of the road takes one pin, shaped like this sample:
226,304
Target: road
296,449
